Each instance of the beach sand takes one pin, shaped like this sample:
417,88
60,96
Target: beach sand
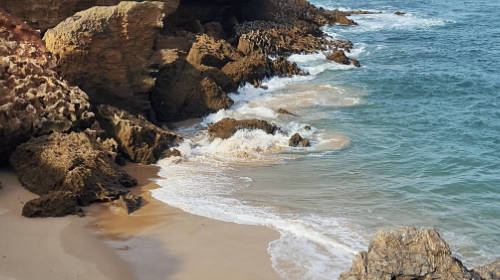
155,242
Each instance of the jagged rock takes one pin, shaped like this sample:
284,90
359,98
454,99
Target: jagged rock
33,100
398,13
73,163
211,52
339,57
226,128
355,62
490,271
129,202
53,204
407,254
107,51
139,139
297,141
48,13
171,153
285,112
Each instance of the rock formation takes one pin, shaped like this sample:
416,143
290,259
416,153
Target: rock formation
33,100
408,254
297,141
490,271
67,171
226,128
140,140
107,50
340,57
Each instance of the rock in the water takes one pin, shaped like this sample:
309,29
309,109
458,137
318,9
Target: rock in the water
65,163
355,62
490,271
339,57
139,139
107,50
46,14
398,13
285,112
408,254
129,202
33,100
171,153
297,141
226,128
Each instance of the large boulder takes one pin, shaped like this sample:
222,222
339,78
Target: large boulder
70,170
140,140
33,99
408,254
107,51
46,14
226,128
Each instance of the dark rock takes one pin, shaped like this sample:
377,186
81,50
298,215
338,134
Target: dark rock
307,127
339,57
285,112
490,271
407,254
355,62
398,13
129,202
33,99
140,140
53,204
297,141
107,50
73,163
171,153
226,128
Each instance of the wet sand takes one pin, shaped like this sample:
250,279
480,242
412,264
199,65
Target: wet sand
155,242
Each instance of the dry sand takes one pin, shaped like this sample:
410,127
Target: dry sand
156,242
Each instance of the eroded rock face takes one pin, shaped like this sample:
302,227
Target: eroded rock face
64,168
140,140
33,100
107,51
46,14
490,271
408,254
226,128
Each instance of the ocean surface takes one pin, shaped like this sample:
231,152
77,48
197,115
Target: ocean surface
410,138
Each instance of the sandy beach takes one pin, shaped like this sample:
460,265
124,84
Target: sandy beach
155,242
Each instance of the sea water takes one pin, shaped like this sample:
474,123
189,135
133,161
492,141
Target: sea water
410,138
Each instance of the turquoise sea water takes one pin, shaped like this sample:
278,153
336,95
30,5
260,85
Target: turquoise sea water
410,138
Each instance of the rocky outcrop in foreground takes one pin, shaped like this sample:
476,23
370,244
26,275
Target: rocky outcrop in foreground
226,128
33,100
68,171
412,254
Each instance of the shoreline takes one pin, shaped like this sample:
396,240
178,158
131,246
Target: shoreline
155,242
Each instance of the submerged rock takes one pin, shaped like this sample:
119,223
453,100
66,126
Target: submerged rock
297,141
340,57
285,112
33,99
408,254
107,50
65,166
226,128
140,140
398,13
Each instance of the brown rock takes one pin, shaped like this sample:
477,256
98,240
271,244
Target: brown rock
285,112
226,128
171,153
139,139
53,204
490,271
107,51
307,127
129,203
339,57
408,253
49,13
71,163
211,52
33,99
297,141
355,62
398,13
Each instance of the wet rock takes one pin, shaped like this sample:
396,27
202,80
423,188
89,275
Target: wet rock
490,271
307,127
297,141
398,13
73,164
407,253
129,203
339,57
54,204
226,128
47,14
33,99
171,153
140,140
285,112
355,62
107,50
